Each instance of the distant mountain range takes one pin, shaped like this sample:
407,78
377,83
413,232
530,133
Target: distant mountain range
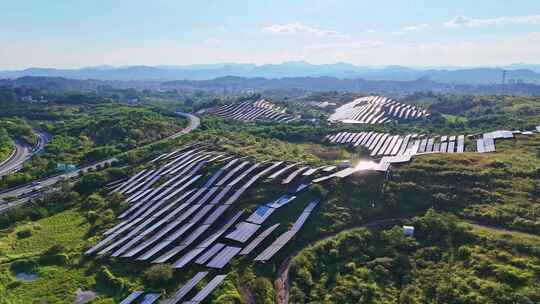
231,85
528,73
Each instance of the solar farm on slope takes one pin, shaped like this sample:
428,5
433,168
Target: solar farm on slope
375,110
182,215
250,111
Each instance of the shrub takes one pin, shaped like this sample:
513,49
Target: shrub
25,233
158,274
55,249
56,259
111,281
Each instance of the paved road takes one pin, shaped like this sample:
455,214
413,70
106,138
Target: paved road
26,192
23,152
16,159
194,123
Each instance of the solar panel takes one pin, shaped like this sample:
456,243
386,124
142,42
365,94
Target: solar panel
204,210
220,195
212,251
480,145
396,147
489,145
294,174
243,232
216,214
169,254
281,171
207,290
184,290
461,144
183,244
429,146
235,196
451,147
150,298
256,241
281,201
390,146
423,144
443,147
300,187
188,257
223,257
208,194
231,173
129,181
269,252
381,142
241,176
213,178
329,168
132,297
310,171
136,183
260,215
404,145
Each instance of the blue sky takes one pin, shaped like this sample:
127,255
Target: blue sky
67,33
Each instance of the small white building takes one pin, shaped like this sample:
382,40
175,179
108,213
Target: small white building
408,230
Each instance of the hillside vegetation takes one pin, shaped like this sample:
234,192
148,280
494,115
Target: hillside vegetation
446,262
475,215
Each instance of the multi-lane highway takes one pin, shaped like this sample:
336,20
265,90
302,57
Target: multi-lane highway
26,192
22,153
36,188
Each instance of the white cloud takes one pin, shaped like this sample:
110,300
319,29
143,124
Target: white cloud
371,31
411,29
462,21
299,28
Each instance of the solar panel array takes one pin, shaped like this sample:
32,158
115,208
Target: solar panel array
184,290
175,209
384,144
487,142
283,239
150,298
171,215
375,110
249,111
132,297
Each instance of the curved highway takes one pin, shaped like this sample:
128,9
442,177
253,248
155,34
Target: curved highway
23,152
26,192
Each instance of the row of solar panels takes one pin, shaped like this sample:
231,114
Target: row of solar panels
486,144
375,109
220,254
140,297
381,144
248,111
181,294
198,210
152,210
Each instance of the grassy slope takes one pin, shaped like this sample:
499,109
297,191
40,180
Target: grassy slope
477,265
497,188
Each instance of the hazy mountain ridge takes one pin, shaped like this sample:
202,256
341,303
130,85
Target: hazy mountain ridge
529,73
238,85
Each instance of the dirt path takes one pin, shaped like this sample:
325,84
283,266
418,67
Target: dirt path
282,281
